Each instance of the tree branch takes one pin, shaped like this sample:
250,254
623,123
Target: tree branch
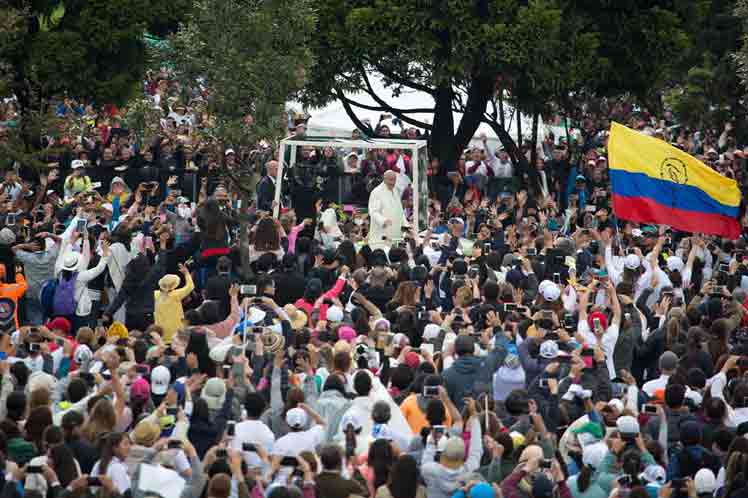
351,114
397,112
402,81
375,108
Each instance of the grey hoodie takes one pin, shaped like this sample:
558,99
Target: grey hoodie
441,481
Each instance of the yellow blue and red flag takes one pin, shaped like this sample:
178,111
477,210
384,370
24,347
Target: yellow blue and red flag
654,182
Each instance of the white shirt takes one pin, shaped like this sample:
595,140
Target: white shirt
608,343
293,443
252,431
117,472
655,384
503,170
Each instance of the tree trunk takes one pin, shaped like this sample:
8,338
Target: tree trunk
534,140
443,129
519,129
532,172
502,119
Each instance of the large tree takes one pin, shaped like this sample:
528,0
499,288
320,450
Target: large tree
249,57
474,55
91,50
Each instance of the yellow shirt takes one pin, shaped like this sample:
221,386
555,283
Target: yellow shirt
168,312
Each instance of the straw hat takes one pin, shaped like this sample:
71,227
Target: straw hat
146,433
272,341
168,282
297,317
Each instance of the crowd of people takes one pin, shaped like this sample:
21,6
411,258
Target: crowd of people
159,339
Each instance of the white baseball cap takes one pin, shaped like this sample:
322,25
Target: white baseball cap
632,262
334,314
675,263
549,350
296,418
551,292
431,331
704,482
160,378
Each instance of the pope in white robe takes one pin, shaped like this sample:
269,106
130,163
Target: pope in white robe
385,213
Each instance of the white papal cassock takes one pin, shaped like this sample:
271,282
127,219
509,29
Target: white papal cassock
385,204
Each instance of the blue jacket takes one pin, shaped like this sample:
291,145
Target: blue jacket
459,379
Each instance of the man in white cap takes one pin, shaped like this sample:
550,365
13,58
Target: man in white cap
386,213
705,483
299,439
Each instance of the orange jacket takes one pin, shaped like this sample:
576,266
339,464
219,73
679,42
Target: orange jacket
415,417
14,293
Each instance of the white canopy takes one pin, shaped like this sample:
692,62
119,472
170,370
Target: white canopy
333,121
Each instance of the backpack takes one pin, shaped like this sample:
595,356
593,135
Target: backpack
47,296
64,296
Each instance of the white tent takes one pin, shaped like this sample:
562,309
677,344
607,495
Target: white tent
333,121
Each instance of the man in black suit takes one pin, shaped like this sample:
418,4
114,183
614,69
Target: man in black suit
266,187
289,282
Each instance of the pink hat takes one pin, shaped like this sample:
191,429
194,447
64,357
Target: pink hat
140,390
346,333
412,359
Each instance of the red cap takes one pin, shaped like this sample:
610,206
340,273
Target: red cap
412,359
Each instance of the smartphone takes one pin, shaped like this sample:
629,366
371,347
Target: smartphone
289,461
95,185
35,347
249,447
473,271
92,481
543,383
33,469
257,330
626,480
10,219
546,463
486,247
547,314
531,251
431,391
175,444
248,290
510,307
557,278
650,409
596,323
172,411
439,431
81,226
222,453
226,370
231,429
3,355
